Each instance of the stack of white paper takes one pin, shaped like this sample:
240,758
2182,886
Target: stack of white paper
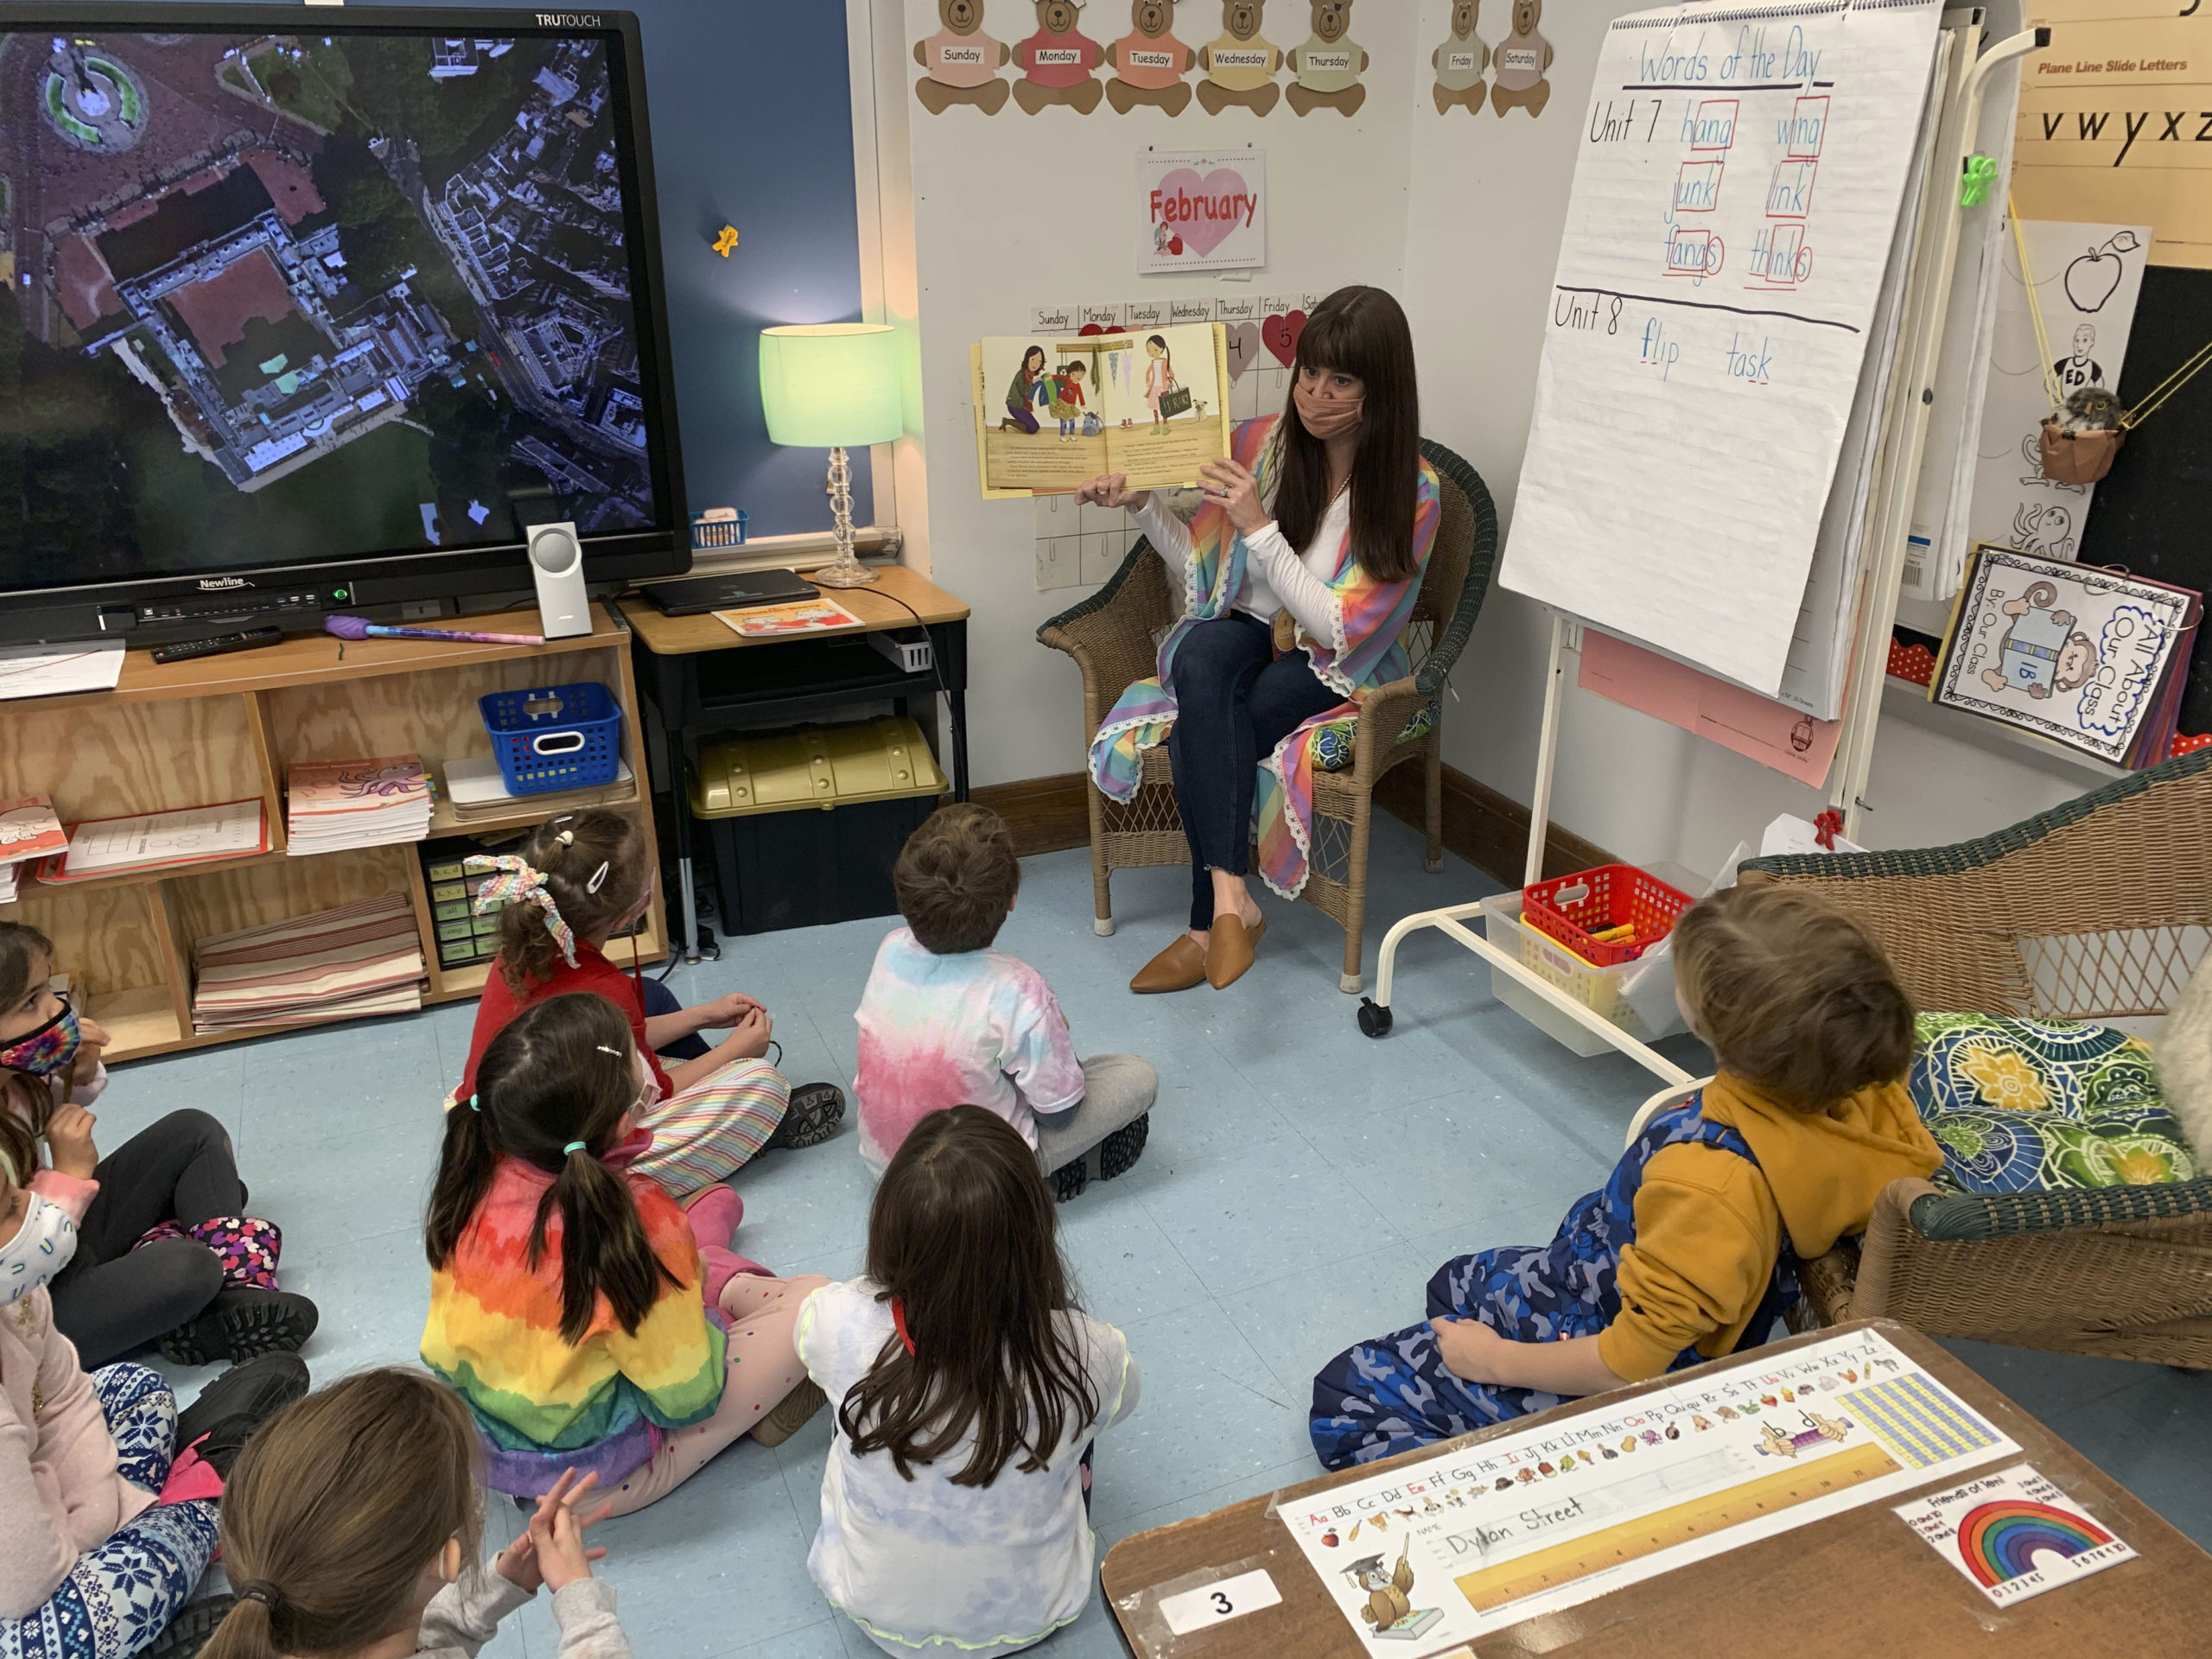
334,804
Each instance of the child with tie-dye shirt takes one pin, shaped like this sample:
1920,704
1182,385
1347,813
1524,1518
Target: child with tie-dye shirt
946,1021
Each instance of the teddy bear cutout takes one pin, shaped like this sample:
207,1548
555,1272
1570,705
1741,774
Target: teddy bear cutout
1459,62
1518,67
1328,65
962,62
1057,61
1240,66
1149,62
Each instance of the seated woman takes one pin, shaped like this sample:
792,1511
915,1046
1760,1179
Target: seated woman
1325,513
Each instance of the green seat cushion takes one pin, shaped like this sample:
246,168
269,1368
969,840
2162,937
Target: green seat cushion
2021,1104
1335,749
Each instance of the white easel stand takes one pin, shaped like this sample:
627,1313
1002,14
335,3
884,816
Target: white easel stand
1912,387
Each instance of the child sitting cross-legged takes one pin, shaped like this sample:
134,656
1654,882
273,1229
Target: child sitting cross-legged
576,1309
967,1388
945,1021
351,1528
1686,1254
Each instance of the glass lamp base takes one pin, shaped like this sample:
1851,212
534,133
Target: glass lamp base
847,572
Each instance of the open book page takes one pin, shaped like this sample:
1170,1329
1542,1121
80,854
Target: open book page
1051,414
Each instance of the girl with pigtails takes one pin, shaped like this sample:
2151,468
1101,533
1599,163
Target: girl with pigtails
580,879
591,1325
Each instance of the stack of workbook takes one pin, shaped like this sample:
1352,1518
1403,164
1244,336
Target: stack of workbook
477,789
340,965
336,805
29,829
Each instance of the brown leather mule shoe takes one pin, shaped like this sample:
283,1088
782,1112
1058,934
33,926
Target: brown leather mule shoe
1178,967
1229,949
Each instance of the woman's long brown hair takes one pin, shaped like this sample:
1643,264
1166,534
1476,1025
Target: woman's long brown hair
25,1101
961,1236
1357,331
527,951
337,1506
558,1073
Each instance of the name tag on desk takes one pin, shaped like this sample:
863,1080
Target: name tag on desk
1216,1604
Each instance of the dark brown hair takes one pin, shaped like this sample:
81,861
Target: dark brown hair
955,879
558,1073
961,1238
26,1101
1793,996
570,852
337,1505
1357,331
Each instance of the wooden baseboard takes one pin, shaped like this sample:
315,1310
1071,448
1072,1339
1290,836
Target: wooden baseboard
1489,829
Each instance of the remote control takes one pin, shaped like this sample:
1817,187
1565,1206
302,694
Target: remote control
217,645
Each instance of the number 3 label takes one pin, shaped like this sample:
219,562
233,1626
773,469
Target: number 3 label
1216,1604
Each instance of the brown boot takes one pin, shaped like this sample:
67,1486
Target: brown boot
1178,967
1229,949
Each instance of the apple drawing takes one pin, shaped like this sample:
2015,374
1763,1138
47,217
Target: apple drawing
2094,277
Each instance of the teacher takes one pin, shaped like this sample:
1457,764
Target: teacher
1301,571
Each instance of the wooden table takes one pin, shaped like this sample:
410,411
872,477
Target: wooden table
702,675
1854,1586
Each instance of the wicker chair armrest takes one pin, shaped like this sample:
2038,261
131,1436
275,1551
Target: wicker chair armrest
1951,1217
1382,715
1112,635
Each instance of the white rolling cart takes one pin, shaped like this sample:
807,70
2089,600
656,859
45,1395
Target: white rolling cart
1896,479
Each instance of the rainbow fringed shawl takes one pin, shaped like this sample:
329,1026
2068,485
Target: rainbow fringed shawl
1368,651
494,1334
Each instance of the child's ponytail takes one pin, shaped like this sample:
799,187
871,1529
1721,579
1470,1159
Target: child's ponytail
604,1249
246,1631
464,1176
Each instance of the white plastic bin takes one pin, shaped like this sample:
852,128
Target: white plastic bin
1600,989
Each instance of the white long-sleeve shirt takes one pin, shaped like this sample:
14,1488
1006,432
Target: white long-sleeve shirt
1276,575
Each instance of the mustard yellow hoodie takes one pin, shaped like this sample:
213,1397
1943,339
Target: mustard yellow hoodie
1709,1224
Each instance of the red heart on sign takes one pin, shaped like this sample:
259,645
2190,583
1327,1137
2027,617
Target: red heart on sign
1280,334
1175,244
1091,328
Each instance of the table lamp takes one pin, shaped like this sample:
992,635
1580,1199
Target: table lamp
833,385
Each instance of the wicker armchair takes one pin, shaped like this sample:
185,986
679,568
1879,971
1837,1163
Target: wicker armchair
2096,910
1114,637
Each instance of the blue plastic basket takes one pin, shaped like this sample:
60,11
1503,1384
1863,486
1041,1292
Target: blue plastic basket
556,737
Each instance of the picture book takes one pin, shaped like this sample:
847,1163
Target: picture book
2081,655
1053,413
29,829
820,615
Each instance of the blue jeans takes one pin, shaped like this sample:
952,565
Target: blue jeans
1235,700
660,999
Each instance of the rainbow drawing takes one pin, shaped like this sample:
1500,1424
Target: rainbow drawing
1998,1541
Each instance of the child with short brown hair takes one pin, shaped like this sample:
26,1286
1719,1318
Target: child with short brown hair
1686,1253
946,1021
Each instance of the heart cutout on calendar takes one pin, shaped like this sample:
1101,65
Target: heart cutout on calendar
1242,339
1280,334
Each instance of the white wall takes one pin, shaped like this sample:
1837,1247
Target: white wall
1460,214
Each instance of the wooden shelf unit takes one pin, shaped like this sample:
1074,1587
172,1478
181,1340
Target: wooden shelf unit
227,727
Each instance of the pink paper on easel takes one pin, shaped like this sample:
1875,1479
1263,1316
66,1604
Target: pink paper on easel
1771,732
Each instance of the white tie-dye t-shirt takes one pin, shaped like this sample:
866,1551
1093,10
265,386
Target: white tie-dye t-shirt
925,1565
980,1028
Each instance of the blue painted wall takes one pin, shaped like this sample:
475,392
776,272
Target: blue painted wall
751,107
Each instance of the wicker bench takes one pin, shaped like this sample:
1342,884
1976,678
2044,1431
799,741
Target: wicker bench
1114,637
2096,910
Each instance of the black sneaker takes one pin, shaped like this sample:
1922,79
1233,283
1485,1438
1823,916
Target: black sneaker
812,1118
186,1634
237,1403
1118,1152
1070,1179
241,1322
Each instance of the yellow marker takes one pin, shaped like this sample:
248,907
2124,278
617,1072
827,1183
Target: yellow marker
727,241
1614,935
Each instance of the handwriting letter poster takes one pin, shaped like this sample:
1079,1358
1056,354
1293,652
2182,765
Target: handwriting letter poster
1733,206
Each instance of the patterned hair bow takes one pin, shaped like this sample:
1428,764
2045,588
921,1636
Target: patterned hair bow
515,882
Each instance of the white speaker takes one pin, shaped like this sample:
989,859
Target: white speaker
556,563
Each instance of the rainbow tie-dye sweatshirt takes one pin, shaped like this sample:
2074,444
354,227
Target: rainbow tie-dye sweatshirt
544,1404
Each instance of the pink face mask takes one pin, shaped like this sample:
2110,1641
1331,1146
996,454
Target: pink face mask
1326,417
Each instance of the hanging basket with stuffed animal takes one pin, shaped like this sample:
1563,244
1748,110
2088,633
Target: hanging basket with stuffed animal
2077,457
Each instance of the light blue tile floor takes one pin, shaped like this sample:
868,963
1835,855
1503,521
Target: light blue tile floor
1301,1184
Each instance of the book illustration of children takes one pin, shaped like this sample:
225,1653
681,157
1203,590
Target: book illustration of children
1067,398
1158,375
1459,62
1057,62
1149,62
962,62
1328,65
1240,68
2042,651
1026,390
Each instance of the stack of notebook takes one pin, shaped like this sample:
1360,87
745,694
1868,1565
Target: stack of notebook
335,804
341,964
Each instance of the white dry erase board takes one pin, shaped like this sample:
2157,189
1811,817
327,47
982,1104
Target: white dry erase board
1732,215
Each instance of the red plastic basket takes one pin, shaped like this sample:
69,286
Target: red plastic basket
1570,908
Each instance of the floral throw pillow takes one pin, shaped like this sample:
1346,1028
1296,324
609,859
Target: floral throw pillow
2017,1104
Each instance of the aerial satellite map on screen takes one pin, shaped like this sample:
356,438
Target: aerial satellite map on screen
302,297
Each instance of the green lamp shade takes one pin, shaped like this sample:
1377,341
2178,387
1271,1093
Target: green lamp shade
831,385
